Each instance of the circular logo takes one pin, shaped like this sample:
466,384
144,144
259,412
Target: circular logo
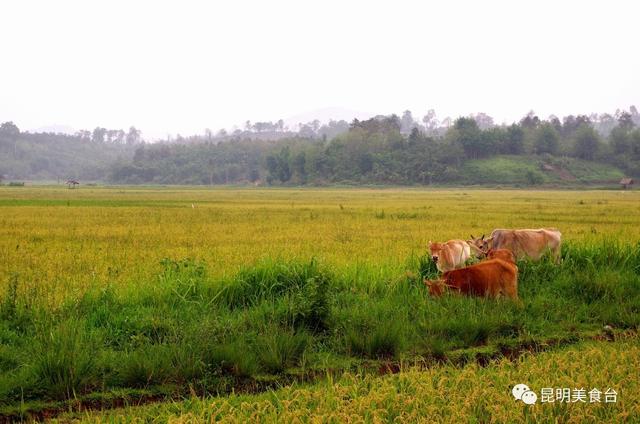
529,397
518,390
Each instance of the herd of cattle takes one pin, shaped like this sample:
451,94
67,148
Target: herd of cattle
496,274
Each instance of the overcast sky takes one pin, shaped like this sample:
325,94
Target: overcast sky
183,66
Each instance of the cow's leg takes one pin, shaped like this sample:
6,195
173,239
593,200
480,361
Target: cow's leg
556,252
553,243
508,289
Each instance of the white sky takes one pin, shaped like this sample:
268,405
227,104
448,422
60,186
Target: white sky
182,66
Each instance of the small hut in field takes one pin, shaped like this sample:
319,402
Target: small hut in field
72,183
626,183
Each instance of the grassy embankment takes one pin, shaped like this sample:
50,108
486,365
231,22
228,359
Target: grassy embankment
538,170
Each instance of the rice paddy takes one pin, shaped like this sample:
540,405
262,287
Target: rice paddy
165,293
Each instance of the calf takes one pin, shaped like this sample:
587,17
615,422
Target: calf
491,278
449,255
502,254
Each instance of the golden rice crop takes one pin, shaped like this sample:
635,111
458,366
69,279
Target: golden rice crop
440,394
61,241
58,246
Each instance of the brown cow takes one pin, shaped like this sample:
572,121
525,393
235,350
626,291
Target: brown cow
450,255
502,254
530,244
491,278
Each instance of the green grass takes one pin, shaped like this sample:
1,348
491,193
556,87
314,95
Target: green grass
113,292
442,394
190,330
518,170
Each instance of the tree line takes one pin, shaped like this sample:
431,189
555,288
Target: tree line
86,155
381,150
386,150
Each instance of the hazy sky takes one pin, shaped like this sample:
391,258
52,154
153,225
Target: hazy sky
182,66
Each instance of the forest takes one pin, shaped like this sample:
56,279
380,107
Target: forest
386,149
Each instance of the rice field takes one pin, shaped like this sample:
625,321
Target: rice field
443,394
64,241
120,295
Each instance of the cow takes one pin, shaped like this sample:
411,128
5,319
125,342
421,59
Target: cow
502,254
449,255
490,278
477,246
528,243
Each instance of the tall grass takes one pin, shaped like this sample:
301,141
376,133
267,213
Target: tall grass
142,297
277,316
442,394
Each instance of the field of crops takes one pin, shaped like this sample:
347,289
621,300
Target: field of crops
150,293
439,394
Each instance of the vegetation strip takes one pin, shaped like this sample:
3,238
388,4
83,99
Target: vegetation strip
120,302
442,394
273,319
102,401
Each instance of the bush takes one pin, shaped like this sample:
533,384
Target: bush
272,280
64,361
534,177
278,350
235,358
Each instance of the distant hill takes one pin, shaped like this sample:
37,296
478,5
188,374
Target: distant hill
57,156
389,150
531,169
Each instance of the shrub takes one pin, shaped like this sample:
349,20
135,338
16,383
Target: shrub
278,350
64,363
235,358
534,177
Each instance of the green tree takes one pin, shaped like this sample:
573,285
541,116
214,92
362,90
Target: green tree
586,143
298,166
620,141
98,135
278,166
406,122
9,129
465,132
546,139
530,120
133,136
514,142
625,120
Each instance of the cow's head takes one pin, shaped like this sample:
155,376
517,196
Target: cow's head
480,245
436,287
504,254
434,250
